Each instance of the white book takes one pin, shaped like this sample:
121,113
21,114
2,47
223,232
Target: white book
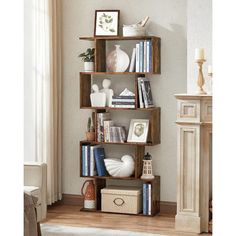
145,56
86,160
132,62
149,199
137,57
123,106
107,124
141,105
148,56
92,160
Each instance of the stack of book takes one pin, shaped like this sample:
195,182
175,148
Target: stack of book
101,117
93,160
147,199
120,101
116,134
141,60
145,93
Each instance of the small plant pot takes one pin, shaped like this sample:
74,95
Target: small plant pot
90,136
88,66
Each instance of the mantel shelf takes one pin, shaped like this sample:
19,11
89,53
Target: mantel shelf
119,38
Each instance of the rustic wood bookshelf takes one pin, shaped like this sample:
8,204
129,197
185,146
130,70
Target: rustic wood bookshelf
154,115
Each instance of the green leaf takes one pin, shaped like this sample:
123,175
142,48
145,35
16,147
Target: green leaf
112,30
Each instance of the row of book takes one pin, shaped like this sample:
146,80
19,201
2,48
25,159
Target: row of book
93,160
107,131
147,199
141,60
145,93
123,101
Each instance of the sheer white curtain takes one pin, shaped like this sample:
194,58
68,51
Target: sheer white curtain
47,84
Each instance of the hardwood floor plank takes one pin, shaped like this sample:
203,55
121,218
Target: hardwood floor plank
72,216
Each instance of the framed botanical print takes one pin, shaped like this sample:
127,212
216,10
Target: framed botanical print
106,23
138,131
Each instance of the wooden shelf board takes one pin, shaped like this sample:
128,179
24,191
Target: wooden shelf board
118,143
119,38
111,177
117,73
118,108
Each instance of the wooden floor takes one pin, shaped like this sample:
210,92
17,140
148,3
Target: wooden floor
72,216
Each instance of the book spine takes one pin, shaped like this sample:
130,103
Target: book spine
91,161
131,68
123,100
144,199
137,57
99,156
141,57
123,103
83,160
144,93
148,56
145,56
86,161
149,199
123,106
141,105
122,97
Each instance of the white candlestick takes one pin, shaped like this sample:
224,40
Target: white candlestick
199,54
209,71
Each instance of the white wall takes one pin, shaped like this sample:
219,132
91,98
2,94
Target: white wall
199,35
167,20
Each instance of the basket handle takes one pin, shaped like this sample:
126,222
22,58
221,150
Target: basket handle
117,201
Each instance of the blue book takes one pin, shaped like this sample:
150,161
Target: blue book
144,199
99,155
150,56
88,160
83,160
141,52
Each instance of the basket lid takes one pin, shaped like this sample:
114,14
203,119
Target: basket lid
122,190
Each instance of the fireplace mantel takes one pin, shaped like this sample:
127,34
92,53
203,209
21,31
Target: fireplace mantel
194,121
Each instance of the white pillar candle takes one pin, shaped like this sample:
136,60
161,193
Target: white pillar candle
199,54
209,69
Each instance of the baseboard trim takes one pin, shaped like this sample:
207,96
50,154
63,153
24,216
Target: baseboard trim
168,208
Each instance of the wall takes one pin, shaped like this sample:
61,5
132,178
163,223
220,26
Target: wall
167,20
199,35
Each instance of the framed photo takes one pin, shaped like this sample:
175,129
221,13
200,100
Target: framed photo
106,22
138,131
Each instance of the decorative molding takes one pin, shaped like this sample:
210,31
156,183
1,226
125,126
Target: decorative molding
167,208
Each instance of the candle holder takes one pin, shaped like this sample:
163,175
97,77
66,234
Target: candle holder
200,81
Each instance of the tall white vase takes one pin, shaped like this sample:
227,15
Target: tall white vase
117,60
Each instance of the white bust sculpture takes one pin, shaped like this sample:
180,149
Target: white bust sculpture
98,99
106,83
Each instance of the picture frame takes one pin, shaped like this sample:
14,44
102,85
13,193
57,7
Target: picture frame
106,23
138,131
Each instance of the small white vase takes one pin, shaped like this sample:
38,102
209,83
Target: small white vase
88,66
117,60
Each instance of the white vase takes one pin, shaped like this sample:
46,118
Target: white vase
88,66
117,60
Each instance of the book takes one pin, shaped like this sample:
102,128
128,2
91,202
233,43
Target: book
148,55
101,117
99,156
137,58
141,56
145,56
147,92
123,103
93,171
107,125
141,104
145,198
123,100
132,62
122,97
149,199
83,160
123,106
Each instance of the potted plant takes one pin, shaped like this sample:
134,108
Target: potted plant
90,134
88,59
